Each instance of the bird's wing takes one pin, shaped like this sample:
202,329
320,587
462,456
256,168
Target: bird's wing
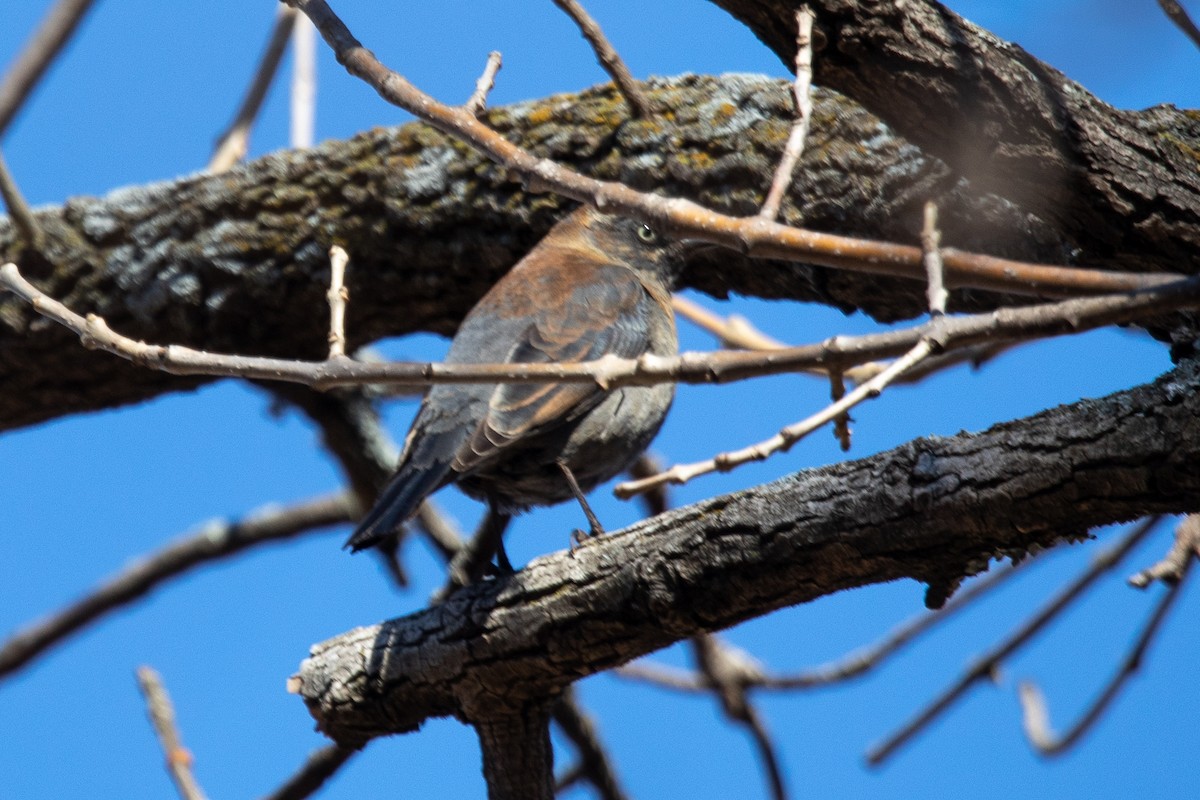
607,313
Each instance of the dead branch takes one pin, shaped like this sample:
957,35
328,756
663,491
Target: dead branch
162,717
715,563
18,209
319,768
214,540
1069,316
606,54
795,142
234,142
1178,14
477,102
43,47
1036,717
752,236
852,665
986,664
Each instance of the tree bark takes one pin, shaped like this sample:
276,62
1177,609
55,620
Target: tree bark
237,262
934,510
1124,185
518,761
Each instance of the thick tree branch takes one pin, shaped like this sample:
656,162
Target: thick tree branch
934,510
1120,183
237,262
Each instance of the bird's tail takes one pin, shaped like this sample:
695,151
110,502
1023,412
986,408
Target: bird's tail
396,503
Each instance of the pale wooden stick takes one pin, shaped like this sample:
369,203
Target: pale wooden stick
803,97
337,296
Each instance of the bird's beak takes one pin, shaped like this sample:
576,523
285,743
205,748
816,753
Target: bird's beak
691,247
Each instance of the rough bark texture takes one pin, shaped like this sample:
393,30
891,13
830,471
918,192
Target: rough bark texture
237,262
935,510
1125,185
518,761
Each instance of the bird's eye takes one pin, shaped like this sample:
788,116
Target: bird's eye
647,234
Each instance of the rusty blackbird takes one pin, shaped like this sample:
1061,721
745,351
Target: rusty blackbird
595,285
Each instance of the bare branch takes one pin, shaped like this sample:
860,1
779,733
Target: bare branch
43,46
737,332
850,666
162,717
18,209
803,98
931,240
837,391
782,441
337,296
986,664
1179,16
319,768
797,538
1008,324
304,85
214,540
595,765
753,236
1036,716
606,54
863,661
477,102
233,144
1184,548
726,671
734,331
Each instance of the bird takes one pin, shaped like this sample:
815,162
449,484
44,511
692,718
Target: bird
596,285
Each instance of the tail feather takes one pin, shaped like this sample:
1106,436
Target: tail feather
396,503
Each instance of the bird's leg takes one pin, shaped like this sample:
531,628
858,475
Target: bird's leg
497,524
471,563
596,528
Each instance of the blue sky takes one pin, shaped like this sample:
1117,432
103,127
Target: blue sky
140,95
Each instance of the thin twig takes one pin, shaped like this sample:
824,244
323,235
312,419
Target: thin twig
785,438
40,51
737,332
233,144
477,102
594,764
801,91
214,540
162,717
853,665
860,662
1184,547
319,768
987,664
304,85
931,241
337,296
753,236
1180,17
727,671
610,60
1007,324
734,331
18,209
1036,716
841,423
